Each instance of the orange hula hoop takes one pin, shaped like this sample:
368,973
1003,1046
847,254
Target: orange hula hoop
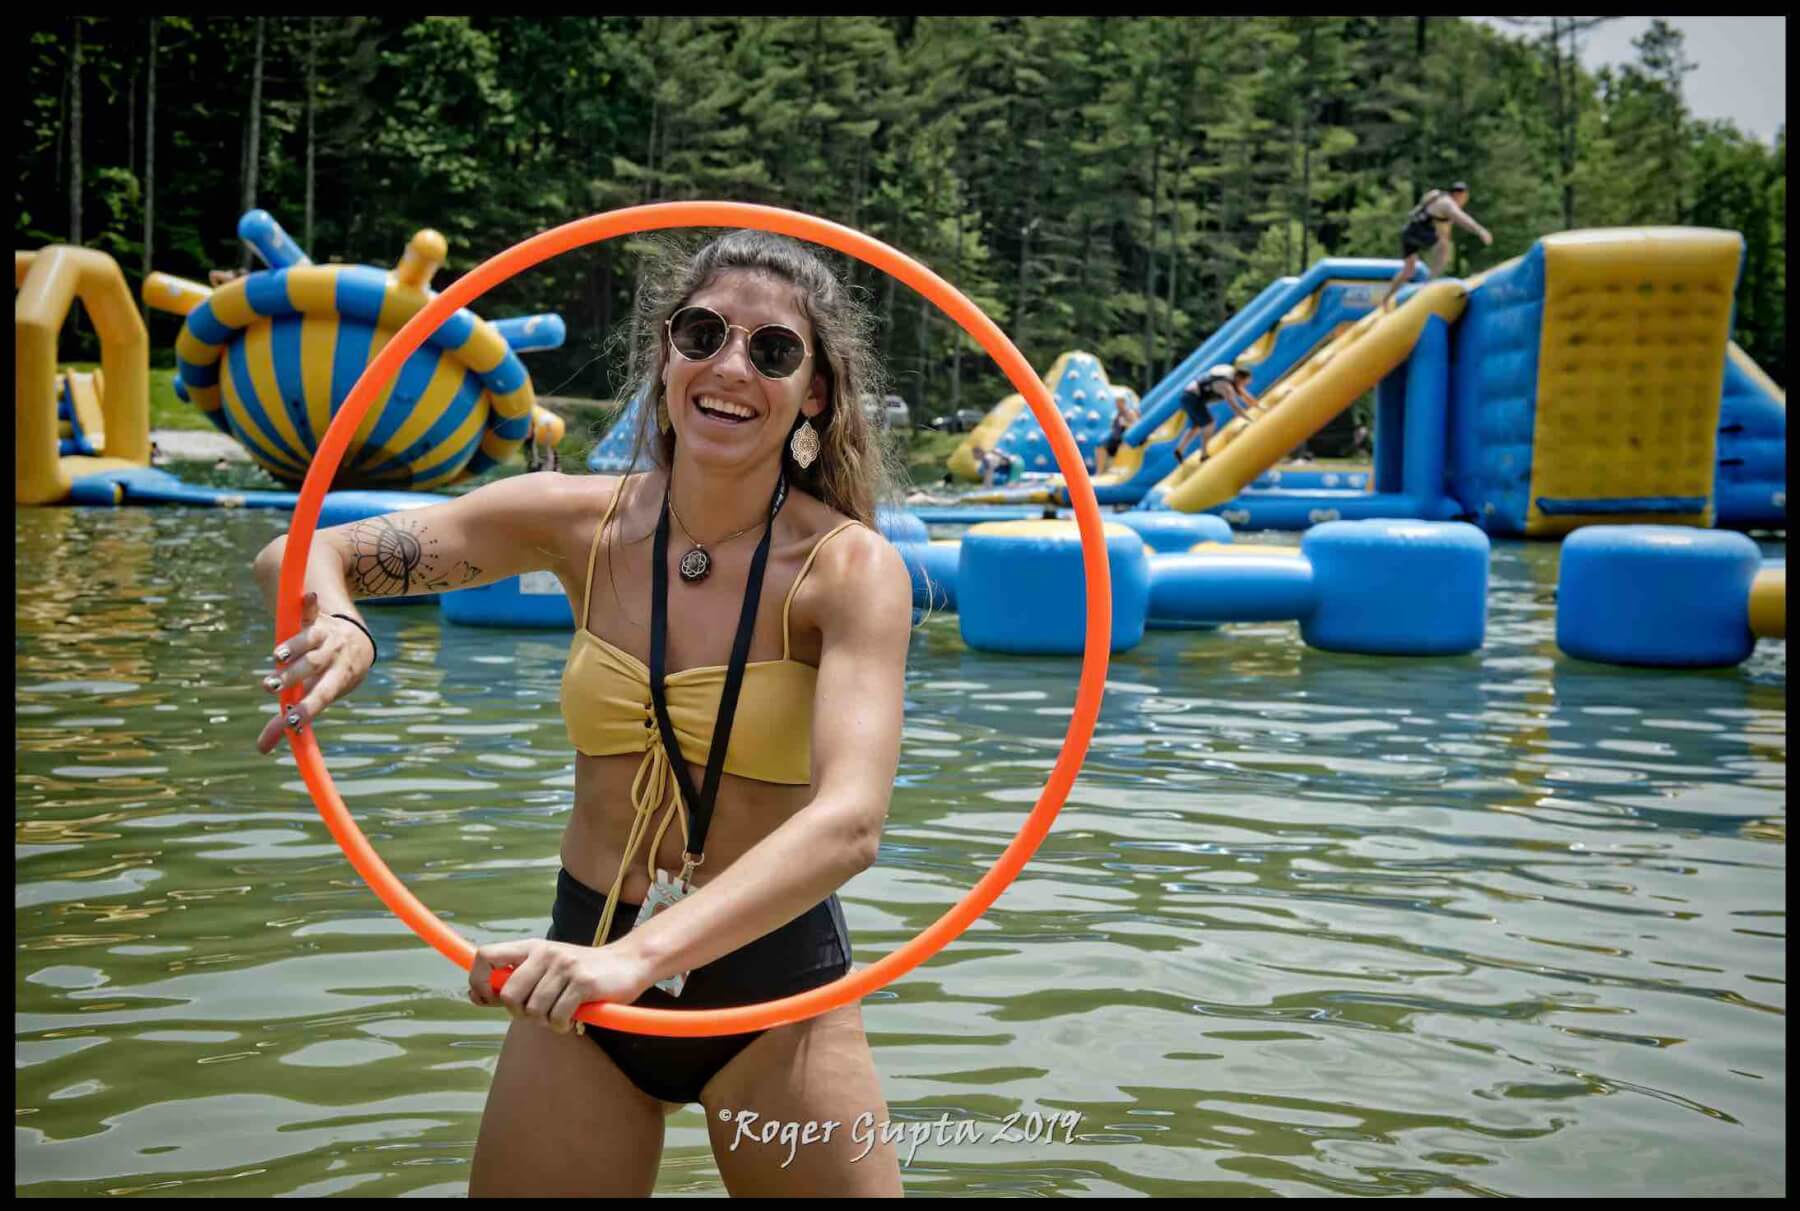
661,216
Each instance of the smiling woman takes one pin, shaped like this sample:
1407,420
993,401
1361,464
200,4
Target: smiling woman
853,468
757,705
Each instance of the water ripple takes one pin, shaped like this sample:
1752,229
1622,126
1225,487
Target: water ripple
1309,923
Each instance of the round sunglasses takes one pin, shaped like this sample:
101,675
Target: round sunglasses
699,333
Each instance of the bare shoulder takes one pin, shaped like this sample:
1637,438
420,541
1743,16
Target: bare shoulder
859,556
856,574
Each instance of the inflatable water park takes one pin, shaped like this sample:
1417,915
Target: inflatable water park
1587,390
268,358
1591,380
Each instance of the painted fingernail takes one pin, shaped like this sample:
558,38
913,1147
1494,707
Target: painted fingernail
271,683
281,654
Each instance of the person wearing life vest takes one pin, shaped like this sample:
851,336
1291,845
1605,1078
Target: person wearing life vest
1428,230
1223,382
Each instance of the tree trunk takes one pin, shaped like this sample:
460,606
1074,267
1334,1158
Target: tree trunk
887,313
1222,309
655,111
925,345
1083,315
252,153
150,160
1171,345
312,92
1150,267
1559,109
925,309
650,155
1027,223
1019,286
606,289
1570,118
822,152
1306,118
62,130
956,344
1418,133
131,123
75,135
1306,203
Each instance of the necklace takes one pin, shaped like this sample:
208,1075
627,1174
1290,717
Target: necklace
696,564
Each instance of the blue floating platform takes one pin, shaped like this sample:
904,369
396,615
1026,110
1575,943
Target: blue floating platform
153,486
974,515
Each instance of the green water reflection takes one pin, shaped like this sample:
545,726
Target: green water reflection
1309,923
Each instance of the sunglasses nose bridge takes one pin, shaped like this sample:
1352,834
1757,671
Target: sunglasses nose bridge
738,348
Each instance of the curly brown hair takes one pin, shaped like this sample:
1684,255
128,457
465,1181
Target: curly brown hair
855,469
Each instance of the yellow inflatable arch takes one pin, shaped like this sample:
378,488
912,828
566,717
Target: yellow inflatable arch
48,283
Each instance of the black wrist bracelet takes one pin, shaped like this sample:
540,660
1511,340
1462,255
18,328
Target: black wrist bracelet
376,652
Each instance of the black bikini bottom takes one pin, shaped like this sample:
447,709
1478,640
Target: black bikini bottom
810,950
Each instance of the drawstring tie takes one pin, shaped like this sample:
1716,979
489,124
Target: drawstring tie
653,787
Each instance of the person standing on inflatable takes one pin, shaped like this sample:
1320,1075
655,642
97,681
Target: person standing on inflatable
1428,230
737,669
1124,415
1224,381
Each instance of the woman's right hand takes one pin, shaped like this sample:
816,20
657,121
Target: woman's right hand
547,982
328,658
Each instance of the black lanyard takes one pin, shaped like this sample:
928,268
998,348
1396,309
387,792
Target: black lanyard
700,805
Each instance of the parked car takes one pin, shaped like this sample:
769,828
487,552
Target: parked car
888,412
960,421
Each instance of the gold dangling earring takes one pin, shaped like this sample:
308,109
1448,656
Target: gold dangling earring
804,445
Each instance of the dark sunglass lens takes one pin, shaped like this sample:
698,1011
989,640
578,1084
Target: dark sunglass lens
777,352
697,333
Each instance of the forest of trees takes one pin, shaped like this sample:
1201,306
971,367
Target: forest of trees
1112,184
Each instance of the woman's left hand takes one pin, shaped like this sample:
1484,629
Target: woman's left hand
551,980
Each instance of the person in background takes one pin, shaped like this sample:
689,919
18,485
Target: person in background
1225,381
1123,415
995,467
1428,230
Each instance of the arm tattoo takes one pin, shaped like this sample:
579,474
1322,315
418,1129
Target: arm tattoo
391,557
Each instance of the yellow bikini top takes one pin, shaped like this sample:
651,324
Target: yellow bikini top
607,709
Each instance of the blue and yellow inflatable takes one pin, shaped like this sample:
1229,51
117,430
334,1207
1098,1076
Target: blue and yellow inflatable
269,358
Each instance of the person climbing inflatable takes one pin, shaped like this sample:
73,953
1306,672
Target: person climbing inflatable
1427,229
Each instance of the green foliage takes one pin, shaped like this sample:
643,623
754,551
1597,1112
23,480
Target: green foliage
1111,183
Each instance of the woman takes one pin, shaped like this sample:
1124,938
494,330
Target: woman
759,513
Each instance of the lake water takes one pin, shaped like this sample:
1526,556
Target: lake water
1309,923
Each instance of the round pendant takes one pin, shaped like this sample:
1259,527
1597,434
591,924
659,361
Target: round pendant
695,565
